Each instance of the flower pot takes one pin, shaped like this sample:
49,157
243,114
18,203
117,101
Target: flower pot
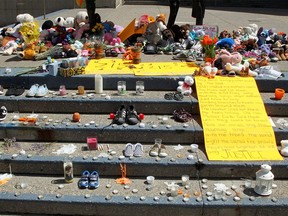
279,93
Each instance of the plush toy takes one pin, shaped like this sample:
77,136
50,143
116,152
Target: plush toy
250,44
69,22
231,63
28,53
81,19
185,86
9,47
235,66
262,35
59,21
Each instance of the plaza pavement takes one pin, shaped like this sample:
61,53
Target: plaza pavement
225,18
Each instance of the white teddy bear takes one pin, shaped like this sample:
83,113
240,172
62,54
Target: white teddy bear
81,19
185,86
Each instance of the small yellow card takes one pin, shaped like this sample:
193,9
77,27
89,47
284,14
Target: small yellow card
235,123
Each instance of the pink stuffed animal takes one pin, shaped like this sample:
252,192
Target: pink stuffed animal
231,63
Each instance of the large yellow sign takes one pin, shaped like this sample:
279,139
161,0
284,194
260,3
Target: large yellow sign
235,123
118,66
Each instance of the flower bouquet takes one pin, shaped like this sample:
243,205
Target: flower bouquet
208,45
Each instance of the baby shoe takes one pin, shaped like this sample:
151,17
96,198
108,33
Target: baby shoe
129,150
42,91
32,91
138,150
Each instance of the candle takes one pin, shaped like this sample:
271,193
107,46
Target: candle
98,84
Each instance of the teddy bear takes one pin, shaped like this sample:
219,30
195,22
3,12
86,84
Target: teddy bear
81,19
234,66
28,53
185,87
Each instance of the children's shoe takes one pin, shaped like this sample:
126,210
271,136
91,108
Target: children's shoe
3,113
83,181
93,180
154,150
19,90
120,116
128,151
162,151
284,148
42,91
132,117
138,150
32,91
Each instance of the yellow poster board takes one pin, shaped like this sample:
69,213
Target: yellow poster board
235,123
118,66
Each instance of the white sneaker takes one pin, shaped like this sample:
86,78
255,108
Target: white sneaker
32,91
284,148
128,151
3,113
42,91
138,150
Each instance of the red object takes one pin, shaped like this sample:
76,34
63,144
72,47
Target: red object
92,143
112,116
76,117
141,116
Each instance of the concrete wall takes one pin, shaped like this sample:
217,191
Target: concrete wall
11,8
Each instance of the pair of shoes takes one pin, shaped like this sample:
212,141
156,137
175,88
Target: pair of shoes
37,91
128,115
15,90
89,180
158,150
3,113
176,96
133,150
111,53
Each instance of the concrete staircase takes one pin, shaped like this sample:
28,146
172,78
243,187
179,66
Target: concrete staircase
37,186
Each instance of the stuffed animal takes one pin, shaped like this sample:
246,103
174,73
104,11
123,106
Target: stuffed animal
185,86
262,35
28,53
9,47
231,63
81,19
69,22
234,65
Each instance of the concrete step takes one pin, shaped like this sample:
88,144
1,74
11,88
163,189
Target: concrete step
49,195
152,102
152,83
45,158
59,127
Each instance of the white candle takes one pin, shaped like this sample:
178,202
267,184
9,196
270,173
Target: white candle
98,84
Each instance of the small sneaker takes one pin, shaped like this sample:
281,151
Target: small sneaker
154,150
3,113
42,91
32,91
120,115
284,148
93,180
162,151
138,150
128,151
132,117
83,181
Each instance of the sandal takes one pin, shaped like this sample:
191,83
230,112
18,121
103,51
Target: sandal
83,181
93,180
180,115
